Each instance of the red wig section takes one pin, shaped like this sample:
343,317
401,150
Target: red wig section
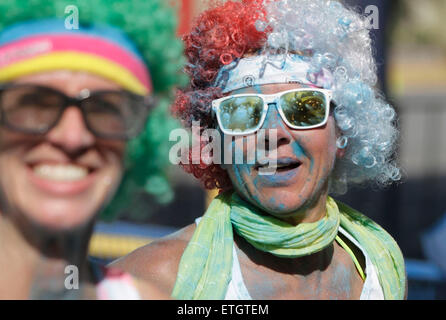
219,36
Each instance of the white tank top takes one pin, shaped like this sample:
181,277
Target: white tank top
371,290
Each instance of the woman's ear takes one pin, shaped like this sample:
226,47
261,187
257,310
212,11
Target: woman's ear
341,145
340,153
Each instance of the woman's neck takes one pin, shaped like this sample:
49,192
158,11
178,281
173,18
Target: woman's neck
311,211
302,266
34,260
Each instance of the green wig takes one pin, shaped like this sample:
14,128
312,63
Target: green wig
151,25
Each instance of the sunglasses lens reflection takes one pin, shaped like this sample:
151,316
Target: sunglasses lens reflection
301,108
241,113
304,108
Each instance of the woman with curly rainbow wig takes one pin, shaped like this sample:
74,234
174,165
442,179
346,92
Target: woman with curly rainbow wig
84,93
300,75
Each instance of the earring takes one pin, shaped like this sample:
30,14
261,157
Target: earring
342,142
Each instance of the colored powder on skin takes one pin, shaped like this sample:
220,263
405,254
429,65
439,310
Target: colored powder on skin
263,285
322,181
279,179
271,119
272,201
257,89
340,285
241,171
300,153
238,156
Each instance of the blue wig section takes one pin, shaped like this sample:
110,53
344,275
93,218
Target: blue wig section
57,26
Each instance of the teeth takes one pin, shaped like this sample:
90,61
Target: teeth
60,172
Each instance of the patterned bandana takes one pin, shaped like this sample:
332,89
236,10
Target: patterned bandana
268,69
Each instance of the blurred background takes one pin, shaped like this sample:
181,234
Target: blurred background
410,47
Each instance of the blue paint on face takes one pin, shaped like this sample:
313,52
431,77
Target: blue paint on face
272,119
241,172
277,179
265,191
300,153
237,153
257,89
297,149
321,182
272,201
249,192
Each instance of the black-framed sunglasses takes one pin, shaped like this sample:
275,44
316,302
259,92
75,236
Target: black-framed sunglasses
108,114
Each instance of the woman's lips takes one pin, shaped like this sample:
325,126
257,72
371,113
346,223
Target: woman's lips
61,179
278,166
278,172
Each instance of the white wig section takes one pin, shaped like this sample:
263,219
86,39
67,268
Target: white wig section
339,40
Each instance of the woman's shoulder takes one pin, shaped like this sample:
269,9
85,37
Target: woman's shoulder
158,261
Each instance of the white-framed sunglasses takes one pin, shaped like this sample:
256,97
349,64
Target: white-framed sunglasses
300,109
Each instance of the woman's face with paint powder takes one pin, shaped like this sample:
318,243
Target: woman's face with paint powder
305,160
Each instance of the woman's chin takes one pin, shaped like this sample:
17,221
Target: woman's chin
60,216
281,212
280,202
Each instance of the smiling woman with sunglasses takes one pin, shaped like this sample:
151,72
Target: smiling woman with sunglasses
300,73
74,129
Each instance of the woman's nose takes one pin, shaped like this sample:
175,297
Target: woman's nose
71,133
275,127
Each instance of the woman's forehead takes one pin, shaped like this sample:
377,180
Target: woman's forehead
60,79
269,88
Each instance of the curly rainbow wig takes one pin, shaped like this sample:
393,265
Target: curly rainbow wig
151,26
333,37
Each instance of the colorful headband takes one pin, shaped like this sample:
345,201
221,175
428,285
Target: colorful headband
268,69
46,45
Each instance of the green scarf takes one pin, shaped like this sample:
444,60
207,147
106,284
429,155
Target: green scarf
205,267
